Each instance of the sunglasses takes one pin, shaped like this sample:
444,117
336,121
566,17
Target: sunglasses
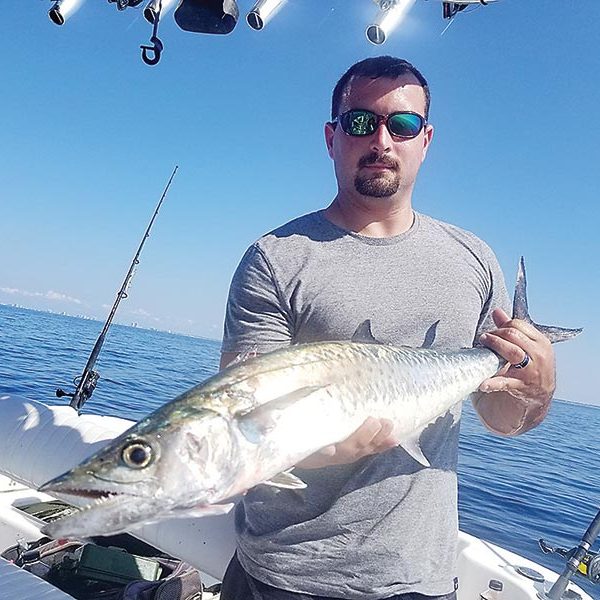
359,122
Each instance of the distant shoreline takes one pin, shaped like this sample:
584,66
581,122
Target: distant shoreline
116,323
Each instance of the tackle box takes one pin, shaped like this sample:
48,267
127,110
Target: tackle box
110,564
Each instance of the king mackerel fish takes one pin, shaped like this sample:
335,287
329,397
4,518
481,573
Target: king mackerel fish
251,423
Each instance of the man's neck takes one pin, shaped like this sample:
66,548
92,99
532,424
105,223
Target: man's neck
372,217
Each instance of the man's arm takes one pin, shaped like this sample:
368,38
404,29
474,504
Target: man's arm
516,400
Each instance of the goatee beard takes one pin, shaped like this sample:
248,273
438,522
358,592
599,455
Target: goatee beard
376,187
382,185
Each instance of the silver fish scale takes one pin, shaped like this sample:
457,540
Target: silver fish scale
375,376
386,380
319,394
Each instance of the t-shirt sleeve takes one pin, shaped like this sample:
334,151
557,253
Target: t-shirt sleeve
498,294
255,318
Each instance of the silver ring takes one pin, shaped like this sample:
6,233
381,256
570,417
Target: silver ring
523,363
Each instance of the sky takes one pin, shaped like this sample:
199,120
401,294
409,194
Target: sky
90,134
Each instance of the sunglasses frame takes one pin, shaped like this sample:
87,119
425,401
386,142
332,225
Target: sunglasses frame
381,119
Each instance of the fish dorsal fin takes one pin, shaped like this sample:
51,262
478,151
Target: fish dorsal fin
262,419
364,334
286,480
430,335
412,448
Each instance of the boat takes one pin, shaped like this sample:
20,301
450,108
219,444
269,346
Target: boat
39,441
220,17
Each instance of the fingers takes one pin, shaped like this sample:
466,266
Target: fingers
503,322
510,344
327,451
372,437
502,383
513,340
500,317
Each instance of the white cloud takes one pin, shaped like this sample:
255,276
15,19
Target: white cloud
49,295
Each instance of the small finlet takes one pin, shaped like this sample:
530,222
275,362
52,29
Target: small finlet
244,356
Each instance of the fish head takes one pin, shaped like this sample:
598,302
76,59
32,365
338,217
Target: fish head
157,469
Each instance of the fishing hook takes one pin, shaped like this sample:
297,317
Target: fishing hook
157,47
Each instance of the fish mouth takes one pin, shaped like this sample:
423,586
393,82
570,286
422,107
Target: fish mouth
97,495
106,513
91,498
96,498
89,485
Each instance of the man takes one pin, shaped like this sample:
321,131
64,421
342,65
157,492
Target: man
373,523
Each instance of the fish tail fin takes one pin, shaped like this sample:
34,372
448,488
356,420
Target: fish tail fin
521,311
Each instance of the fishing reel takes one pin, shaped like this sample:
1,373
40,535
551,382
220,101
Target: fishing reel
589,564
579,560
85,384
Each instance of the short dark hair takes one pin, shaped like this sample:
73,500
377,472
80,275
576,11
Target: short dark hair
379,66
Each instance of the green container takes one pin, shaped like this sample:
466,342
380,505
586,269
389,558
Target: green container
112,564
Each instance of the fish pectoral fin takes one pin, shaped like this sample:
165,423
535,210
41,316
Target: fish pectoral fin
201,510
413,449
286,480
364,334
262,419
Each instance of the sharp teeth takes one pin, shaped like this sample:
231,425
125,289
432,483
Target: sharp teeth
96,497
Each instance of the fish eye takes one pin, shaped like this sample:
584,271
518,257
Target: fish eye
137,454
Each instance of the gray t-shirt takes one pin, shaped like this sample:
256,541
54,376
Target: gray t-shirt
384,525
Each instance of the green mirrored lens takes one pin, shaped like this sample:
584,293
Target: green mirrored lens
358,122
405,125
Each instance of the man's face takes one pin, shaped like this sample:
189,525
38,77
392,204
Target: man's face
379,165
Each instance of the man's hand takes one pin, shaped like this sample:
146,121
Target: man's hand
517,400
372,437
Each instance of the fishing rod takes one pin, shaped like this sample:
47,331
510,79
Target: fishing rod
86,382
579,560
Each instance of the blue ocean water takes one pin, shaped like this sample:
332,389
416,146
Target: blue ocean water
544,484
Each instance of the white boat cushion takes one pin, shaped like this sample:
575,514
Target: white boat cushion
39,442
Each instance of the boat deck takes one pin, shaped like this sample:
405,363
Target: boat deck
14,580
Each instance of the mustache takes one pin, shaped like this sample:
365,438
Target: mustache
375,158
